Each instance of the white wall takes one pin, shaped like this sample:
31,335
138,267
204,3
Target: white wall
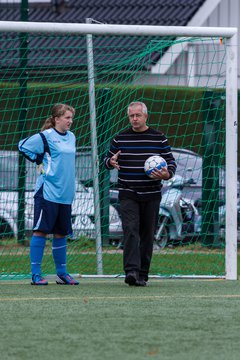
226,14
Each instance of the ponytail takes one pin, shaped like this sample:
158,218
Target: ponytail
49,123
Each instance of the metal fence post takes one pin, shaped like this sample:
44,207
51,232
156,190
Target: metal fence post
22,122
213,144
104,175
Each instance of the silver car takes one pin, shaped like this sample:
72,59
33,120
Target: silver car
82,207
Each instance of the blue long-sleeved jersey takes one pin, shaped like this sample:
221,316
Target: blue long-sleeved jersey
58,169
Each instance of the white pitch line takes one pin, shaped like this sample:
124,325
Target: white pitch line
151,297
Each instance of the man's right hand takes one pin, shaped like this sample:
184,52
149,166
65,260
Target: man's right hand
114,160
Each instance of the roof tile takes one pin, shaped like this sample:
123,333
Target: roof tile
147,12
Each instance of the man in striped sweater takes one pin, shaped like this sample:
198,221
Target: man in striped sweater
139,194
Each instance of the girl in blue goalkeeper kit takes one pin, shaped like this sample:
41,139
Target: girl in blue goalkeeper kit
54,150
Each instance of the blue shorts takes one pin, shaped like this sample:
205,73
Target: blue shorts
51,217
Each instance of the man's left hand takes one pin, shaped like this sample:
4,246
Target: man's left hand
161,174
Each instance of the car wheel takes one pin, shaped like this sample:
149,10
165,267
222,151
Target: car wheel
5,229
162,232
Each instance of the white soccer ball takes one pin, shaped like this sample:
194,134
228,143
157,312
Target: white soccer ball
154,162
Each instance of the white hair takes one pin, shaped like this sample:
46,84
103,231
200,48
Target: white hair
136,103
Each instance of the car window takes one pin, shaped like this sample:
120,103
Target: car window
84,166
189,166
84,169
9,172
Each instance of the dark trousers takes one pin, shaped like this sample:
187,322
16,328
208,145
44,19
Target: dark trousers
139,224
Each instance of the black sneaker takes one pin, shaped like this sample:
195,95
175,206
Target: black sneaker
143,277
131,278
140,282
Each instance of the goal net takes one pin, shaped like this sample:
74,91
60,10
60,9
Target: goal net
189,86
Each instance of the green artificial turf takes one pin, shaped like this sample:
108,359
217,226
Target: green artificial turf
106,319
182,260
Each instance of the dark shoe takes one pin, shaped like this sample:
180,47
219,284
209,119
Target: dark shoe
141,282
143,277
131,278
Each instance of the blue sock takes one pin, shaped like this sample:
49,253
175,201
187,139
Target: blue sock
59,251
37,246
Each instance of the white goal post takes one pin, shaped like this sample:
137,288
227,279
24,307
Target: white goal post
230,35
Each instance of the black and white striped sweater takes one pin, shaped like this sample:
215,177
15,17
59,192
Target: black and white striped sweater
135,148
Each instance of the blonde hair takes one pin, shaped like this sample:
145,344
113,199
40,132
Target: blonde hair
136,103
57,111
